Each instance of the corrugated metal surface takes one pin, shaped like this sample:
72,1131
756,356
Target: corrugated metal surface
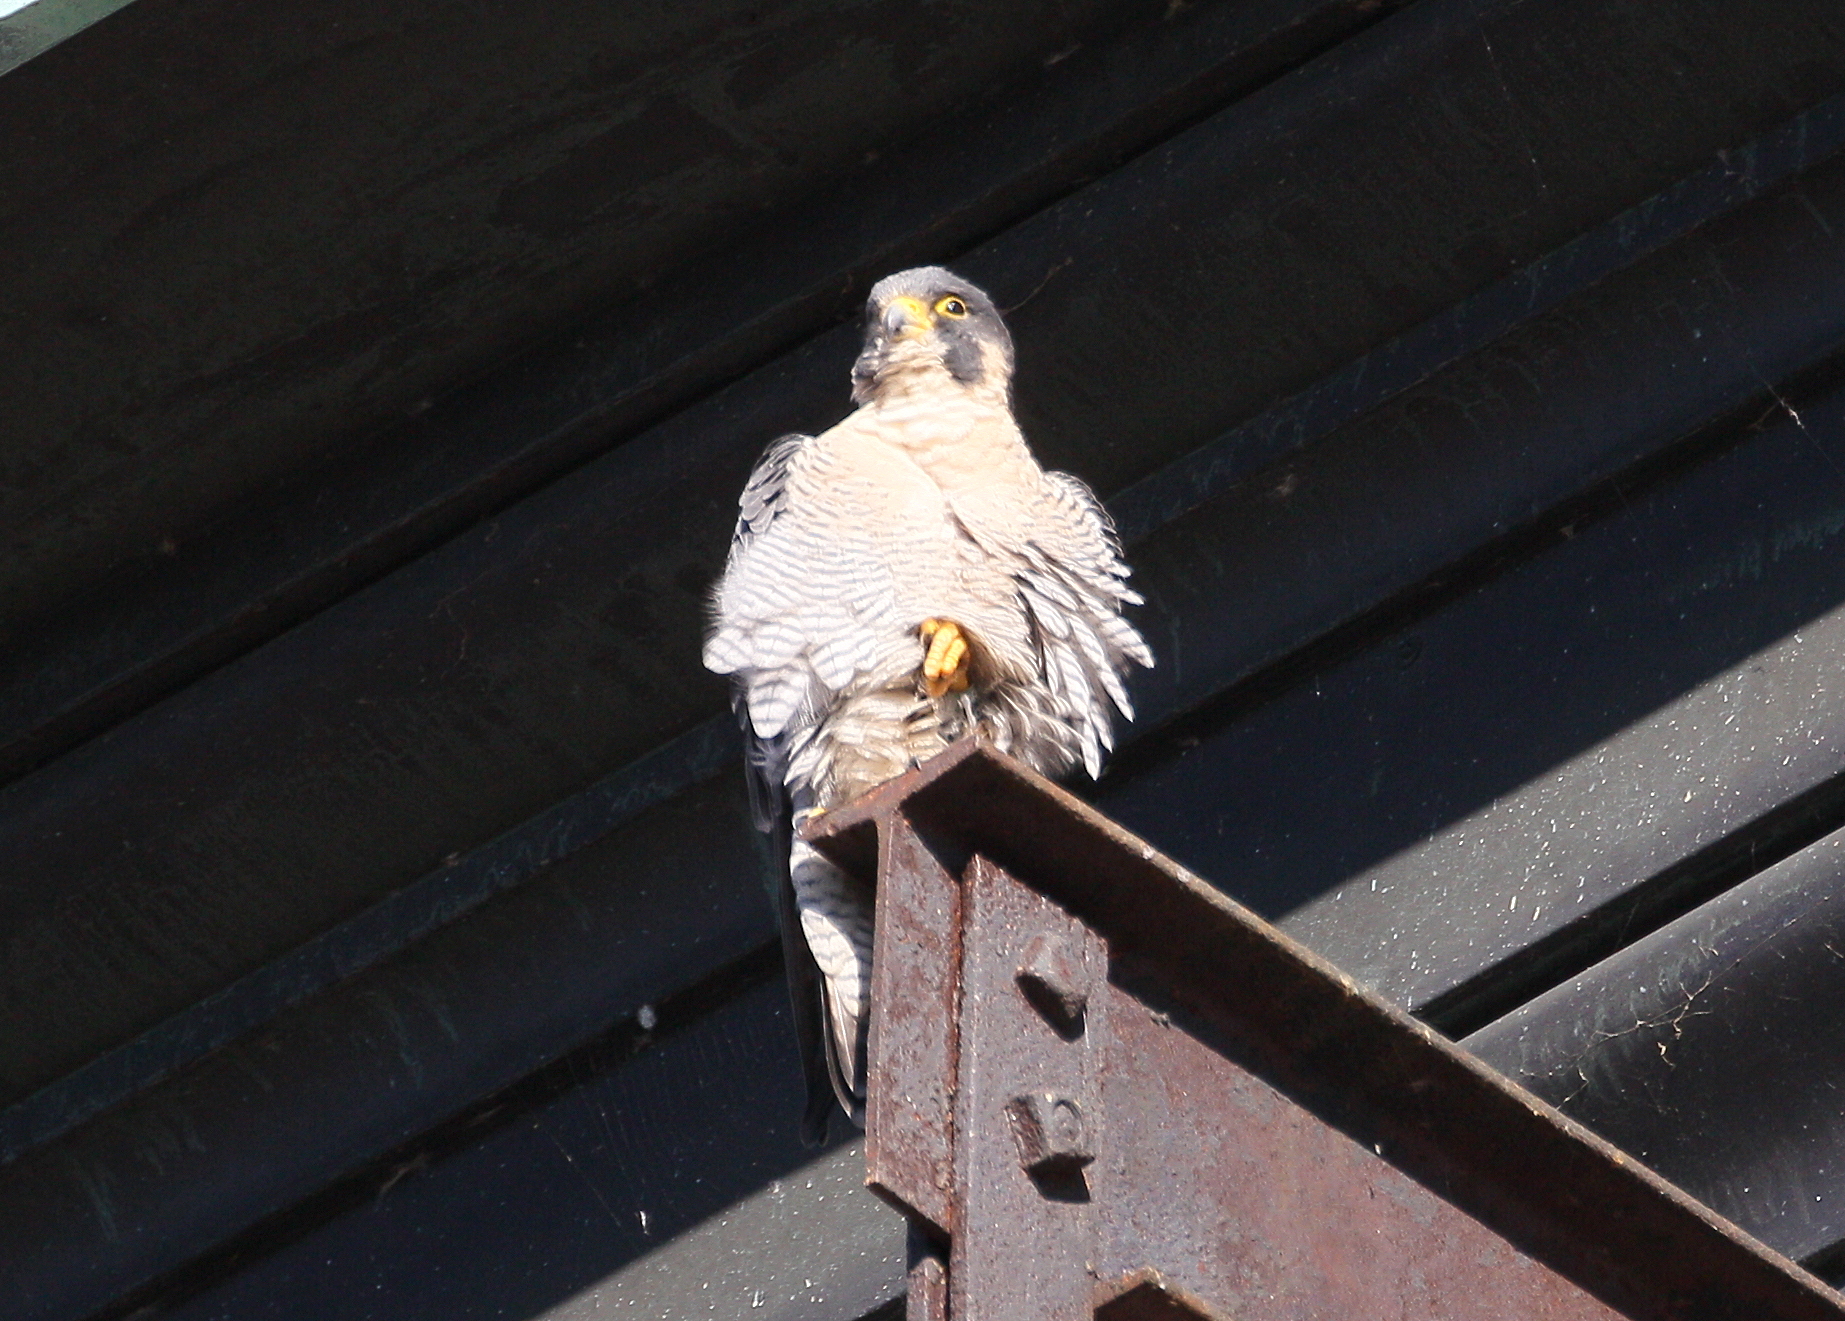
380,380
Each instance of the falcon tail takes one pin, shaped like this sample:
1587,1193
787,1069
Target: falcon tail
806,998
827,926
773,816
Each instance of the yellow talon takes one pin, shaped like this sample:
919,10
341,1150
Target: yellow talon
944,669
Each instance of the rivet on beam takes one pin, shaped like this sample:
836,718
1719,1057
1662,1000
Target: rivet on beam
1050,1134
1051,982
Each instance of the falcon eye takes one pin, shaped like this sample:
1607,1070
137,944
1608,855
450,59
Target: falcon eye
952,306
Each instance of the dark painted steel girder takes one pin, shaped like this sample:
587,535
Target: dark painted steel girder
1107,1090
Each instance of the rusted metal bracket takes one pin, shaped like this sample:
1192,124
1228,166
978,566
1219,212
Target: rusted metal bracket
1105,1090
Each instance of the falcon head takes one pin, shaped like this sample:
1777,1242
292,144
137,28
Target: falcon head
929,322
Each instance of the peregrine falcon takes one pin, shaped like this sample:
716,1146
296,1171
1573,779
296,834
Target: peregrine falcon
905,578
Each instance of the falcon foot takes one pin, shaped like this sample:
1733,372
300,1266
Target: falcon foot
944,667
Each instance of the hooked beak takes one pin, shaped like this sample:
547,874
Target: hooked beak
906,318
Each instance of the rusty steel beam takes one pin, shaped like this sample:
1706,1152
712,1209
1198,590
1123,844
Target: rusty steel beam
1100,1088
